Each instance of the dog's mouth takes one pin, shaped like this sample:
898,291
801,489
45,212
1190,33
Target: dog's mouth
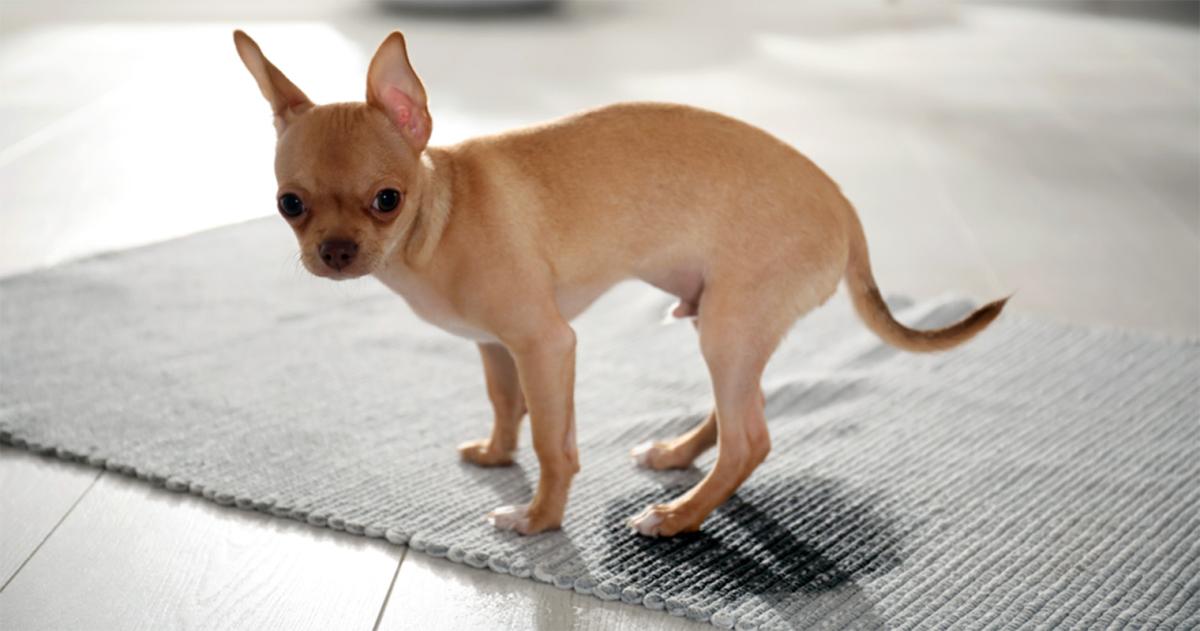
319,268
343,274
339,275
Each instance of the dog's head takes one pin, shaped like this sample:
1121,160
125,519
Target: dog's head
349,173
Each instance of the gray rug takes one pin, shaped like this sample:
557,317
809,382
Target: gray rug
1042,476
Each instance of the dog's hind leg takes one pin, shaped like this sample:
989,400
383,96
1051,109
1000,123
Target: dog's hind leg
681,451
738,332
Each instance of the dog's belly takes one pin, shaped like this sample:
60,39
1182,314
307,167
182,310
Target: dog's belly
573,301
685,282
682,280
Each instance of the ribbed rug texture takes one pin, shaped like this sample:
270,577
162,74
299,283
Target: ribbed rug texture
1042,476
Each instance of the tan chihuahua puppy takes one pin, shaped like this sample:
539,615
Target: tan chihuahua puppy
504,239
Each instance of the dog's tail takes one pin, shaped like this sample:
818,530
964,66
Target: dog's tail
874,311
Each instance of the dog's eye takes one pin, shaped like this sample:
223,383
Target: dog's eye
290,205
387,200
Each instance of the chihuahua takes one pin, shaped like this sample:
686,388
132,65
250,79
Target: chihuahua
505,239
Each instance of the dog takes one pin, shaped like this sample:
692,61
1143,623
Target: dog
504,239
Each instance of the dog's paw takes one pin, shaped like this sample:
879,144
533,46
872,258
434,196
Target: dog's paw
519,519
480,452
646,522
657,456
642,454
510,518
660,520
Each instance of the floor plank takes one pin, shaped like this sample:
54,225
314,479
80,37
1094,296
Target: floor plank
437,594
36,493
130,556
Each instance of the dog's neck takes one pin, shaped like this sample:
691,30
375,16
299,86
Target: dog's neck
422,229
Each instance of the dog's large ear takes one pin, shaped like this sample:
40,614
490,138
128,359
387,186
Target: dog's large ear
287,101
394,88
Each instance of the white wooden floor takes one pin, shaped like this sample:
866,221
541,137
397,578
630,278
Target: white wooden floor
989,149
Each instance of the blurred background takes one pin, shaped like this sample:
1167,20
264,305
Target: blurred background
1048,148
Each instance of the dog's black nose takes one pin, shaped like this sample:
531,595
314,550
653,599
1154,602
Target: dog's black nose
338,253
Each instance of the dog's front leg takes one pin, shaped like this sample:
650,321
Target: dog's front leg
508,404
546,365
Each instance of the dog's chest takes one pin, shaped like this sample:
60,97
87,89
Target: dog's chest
431,306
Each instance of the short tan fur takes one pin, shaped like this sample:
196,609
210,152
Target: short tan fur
504,239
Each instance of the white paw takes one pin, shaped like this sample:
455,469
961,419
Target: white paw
641,453
510,518
646,523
